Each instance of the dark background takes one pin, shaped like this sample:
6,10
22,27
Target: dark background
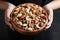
53,33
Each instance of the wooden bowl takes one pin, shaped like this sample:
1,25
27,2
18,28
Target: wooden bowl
29,18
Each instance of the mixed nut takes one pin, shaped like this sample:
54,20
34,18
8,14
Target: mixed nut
29,17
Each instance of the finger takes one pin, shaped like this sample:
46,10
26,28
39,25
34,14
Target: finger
50,20
6,21
47,27
7,14
49,24
9,10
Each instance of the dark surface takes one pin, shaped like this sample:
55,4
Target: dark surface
17,2
39,2
53,33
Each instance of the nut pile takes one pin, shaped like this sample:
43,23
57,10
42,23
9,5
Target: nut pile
29,17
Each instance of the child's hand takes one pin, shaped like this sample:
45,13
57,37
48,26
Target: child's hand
50,11
7,14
